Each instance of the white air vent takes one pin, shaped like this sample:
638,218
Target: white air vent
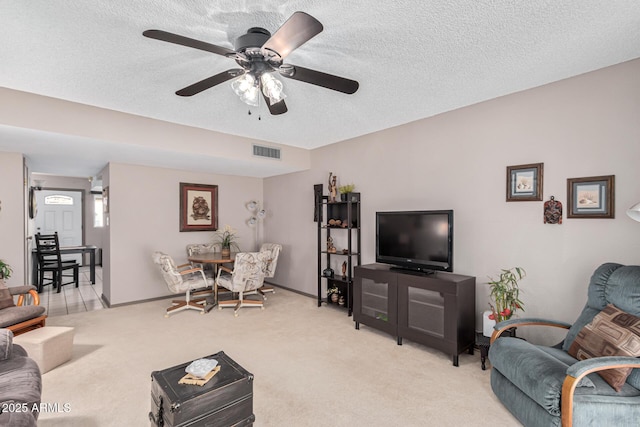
270,152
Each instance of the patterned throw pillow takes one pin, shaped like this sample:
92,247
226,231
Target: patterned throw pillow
6,299
612,332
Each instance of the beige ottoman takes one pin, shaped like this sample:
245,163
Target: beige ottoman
49,346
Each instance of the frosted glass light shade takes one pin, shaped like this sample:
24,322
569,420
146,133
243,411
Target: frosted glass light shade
261,214
247,89
252,206
272,88
634,212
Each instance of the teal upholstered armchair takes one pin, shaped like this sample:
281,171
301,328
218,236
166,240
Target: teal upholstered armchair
573,383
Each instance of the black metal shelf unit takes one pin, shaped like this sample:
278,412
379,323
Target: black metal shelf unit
347,212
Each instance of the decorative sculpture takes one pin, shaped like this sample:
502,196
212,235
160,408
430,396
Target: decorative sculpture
333,187
330,248
552,211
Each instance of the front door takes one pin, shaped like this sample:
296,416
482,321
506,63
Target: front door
61,211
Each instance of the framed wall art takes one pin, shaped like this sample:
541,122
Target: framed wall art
198,207
591,197
524,182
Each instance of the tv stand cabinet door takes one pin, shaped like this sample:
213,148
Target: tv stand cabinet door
375,302
437,311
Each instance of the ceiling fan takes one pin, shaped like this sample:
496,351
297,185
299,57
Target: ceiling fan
261,55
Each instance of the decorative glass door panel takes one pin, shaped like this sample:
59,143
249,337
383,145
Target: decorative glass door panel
426,311
375,299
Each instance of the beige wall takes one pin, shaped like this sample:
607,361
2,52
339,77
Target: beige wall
144,217
584,126
12,215
580,127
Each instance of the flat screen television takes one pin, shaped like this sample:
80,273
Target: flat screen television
416,240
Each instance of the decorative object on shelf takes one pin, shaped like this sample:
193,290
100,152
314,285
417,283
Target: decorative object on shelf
552,211
345,251
198,207
344,270
591,197
333,293
333,187
634,212
330,247
505,294
226,238
524,182
341,300
327,272
335,222
344,190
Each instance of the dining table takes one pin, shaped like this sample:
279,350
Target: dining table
215,259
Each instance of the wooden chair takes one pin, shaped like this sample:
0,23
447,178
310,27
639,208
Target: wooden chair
50,260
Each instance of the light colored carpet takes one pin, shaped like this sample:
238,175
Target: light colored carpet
311,368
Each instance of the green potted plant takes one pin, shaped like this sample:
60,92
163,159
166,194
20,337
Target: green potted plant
226,238
5,270
344,190
505,294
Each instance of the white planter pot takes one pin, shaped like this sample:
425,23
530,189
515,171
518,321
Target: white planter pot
487,324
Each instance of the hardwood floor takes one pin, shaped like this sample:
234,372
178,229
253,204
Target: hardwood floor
85,297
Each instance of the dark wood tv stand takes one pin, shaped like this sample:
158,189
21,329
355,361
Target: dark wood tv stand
437,310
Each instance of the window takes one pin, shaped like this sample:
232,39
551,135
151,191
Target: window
58,199
98,212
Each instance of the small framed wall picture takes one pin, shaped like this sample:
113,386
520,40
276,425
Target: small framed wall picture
591,197
524,182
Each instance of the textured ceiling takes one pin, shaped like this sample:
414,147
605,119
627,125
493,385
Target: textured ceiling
413,59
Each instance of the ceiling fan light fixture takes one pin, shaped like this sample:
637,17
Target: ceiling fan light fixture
260,54
247,89
272,88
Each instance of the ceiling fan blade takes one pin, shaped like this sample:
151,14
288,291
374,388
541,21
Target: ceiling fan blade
319,78
186,41
298,29
276,109
210,82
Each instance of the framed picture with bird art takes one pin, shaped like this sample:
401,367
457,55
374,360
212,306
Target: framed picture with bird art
198,207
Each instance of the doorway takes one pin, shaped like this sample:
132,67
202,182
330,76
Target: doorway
61,211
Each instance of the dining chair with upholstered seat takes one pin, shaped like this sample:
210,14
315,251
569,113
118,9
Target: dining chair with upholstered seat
272,251
201,248
245,278
185,279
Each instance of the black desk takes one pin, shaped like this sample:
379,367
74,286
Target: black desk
66,250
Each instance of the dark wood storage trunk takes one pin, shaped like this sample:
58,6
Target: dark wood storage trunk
226,400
